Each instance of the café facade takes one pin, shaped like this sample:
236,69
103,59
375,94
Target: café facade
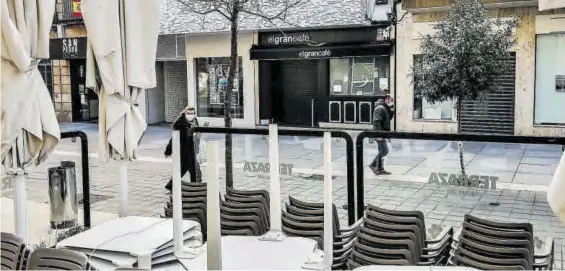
327,73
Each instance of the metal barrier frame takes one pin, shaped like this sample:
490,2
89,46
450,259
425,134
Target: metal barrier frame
442,137
85,173
291,132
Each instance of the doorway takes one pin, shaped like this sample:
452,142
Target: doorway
295,91
84,101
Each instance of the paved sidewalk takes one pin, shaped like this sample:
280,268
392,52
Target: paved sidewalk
524,168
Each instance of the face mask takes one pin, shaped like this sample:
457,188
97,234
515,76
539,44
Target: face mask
390,104
189,117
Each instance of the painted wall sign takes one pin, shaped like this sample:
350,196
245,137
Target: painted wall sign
263,168
474,181
67,48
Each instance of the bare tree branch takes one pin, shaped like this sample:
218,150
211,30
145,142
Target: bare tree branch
205,7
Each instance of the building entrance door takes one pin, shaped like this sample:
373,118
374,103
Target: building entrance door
298,92
79,94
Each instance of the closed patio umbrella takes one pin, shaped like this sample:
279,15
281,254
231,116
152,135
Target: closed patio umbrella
556,188
30,130
123,37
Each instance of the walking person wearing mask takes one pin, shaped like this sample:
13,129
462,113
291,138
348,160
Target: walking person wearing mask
383,114
189,146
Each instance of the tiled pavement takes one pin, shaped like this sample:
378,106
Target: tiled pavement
441,204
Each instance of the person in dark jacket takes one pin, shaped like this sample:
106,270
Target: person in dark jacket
189,146
383,114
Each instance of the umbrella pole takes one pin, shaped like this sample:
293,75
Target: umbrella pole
20,204
275,233
317,261
214,254
180,250
556,189
123,179
328,210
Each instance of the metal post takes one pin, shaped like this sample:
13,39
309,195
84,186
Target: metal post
85,173
312,112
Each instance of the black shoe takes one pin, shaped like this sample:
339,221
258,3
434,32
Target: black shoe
374,170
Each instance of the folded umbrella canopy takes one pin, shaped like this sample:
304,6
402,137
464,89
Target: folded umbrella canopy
123,37
30,130
556,188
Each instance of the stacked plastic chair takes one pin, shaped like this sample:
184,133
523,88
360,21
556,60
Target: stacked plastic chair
57,259
193,204
242,212
14,252
389,237
490,245
245,212
306,219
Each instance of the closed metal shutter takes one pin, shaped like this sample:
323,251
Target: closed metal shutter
171,47
494,114
300,88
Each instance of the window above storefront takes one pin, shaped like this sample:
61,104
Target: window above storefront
361,76
211,85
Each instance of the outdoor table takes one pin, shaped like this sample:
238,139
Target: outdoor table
415,268
250,253
117,242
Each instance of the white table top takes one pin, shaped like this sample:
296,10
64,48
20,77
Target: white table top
249,253
130,235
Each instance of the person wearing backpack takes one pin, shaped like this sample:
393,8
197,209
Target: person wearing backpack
382,116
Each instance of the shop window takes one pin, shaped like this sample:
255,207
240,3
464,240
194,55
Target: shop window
550,79
46,71
364,76
433,111
211,84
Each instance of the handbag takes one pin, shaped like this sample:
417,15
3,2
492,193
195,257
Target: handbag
201,156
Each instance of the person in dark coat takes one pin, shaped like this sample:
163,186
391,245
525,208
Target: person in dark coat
189,146
383,114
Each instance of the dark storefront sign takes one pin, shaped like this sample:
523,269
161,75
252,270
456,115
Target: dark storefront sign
312,37
68,48
314,76
265,53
